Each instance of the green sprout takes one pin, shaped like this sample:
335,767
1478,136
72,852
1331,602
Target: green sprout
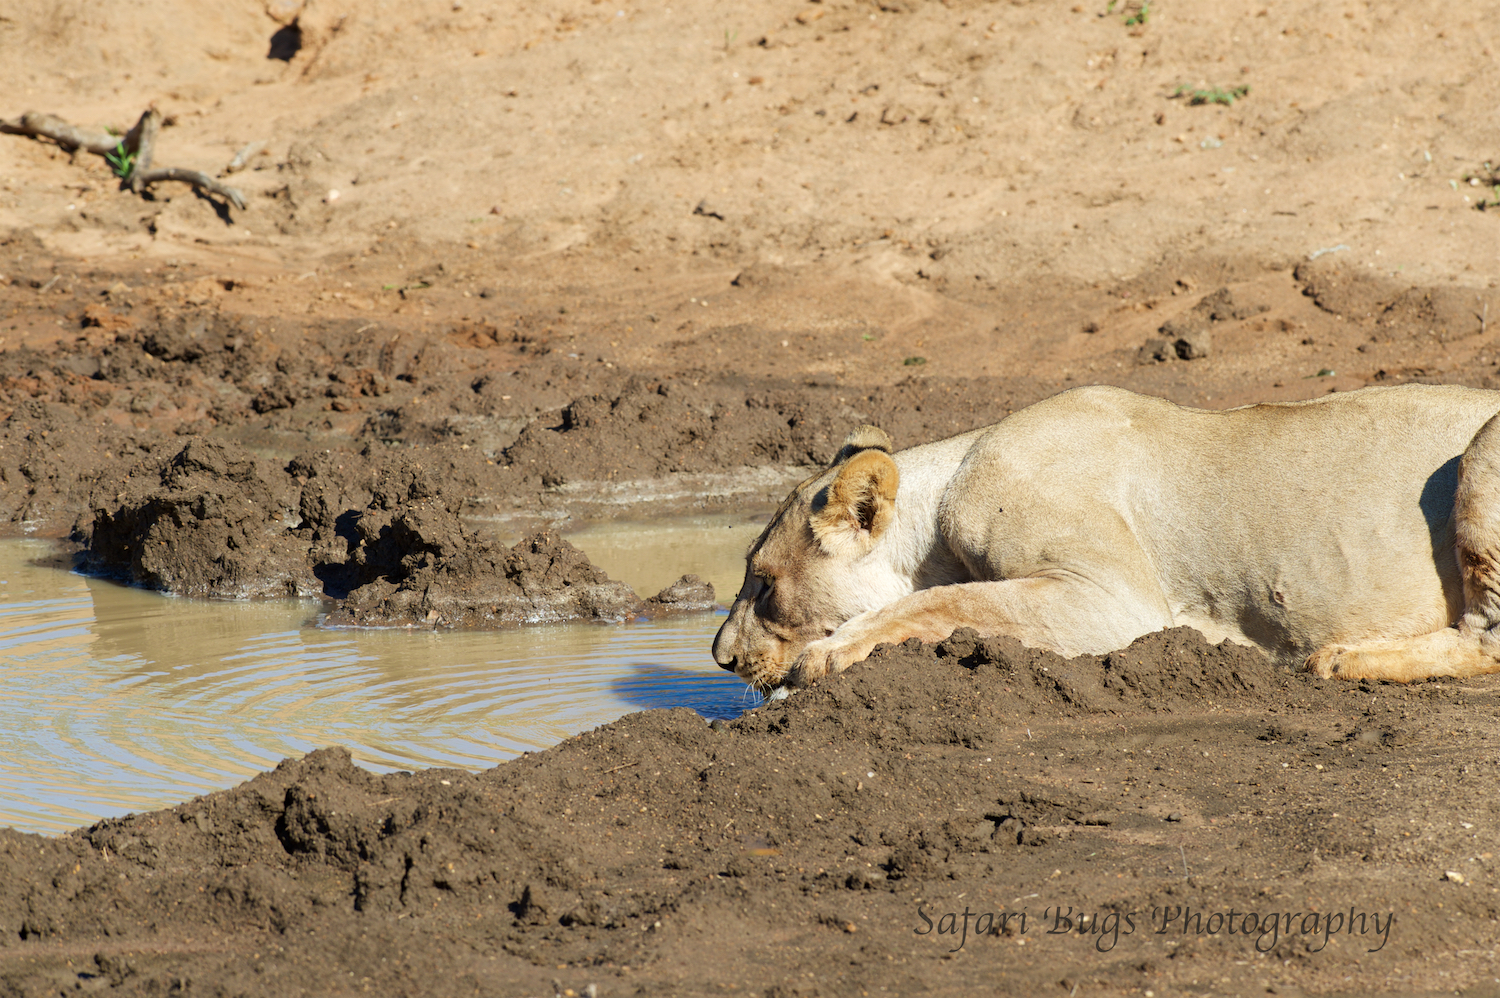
1490,177
120,161
1133,14
1211,95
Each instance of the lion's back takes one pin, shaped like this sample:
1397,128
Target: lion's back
1283,524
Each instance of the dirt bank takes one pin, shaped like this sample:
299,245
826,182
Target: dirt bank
815,846
504,272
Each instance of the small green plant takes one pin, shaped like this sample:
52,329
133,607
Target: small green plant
120,161
1488,177
1135,13
1211,95
914,361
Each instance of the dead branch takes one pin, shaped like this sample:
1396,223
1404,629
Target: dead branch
140,142
68,136
144,145
194,177
244,156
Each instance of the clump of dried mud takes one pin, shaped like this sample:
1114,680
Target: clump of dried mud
210,520
382,538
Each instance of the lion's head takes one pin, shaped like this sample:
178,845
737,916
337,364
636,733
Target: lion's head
815,565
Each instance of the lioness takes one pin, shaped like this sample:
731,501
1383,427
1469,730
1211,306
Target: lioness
1356,534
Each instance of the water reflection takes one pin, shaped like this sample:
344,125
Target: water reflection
118,699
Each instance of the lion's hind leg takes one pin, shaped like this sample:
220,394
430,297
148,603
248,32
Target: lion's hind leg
1477,532
1470,647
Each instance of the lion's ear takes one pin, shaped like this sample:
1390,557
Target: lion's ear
858,505
863,438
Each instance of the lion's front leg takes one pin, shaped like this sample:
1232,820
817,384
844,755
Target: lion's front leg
855,639
1067,616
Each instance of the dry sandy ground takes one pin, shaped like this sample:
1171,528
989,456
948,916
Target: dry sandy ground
509,264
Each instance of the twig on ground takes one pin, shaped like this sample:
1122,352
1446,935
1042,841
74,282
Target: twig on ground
194,177
139,145
243,157
50,126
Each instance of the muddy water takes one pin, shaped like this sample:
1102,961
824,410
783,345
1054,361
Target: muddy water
652,555
121,700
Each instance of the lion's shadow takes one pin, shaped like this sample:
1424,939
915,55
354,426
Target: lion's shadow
715,697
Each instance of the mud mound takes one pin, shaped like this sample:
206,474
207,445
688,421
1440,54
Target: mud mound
437,573
379,531
1178,668
211,520
966,680
687,594
51,454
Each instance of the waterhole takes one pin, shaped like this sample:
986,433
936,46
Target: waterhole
120,700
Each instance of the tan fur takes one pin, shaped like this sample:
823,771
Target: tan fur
1356,535
863,438
857,506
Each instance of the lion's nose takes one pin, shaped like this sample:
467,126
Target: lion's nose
723,656
722,642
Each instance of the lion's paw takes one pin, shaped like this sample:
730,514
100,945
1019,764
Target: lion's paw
813,664
1327,662
822,658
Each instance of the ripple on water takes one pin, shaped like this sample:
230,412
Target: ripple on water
119,700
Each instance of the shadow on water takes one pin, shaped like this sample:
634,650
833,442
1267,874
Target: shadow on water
652,687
